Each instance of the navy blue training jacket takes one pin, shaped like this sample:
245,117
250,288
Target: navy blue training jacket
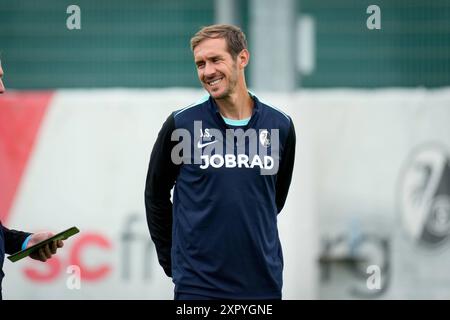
220,237
10,242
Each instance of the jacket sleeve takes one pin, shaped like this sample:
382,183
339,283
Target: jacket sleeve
286,167
13,239
161,176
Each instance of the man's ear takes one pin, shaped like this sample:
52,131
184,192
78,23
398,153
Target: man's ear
243,58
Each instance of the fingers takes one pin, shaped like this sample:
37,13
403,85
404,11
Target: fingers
53,247
42,256
47,251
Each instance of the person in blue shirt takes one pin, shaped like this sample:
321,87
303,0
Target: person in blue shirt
12,241
229,159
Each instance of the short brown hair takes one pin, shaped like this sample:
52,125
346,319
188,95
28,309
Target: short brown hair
233,36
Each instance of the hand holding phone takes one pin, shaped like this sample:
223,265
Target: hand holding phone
43,249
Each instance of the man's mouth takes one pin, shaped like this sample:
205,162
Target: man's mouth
214,82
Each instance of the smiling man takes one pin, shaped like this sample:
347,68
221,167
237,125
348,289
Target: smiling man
219,239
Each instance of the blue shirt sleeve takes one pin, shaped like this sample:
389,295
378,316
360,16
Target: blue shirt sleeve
25,243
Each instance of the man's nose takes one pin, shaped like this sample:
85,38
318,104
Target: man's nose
2,87
209,69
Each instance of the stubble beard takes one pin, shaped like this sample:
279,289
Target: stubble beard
231,86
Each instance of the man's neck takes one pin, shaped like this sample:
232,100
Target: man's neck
238,106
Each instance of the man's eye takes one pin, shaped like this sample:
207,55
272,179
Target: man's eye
200,65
